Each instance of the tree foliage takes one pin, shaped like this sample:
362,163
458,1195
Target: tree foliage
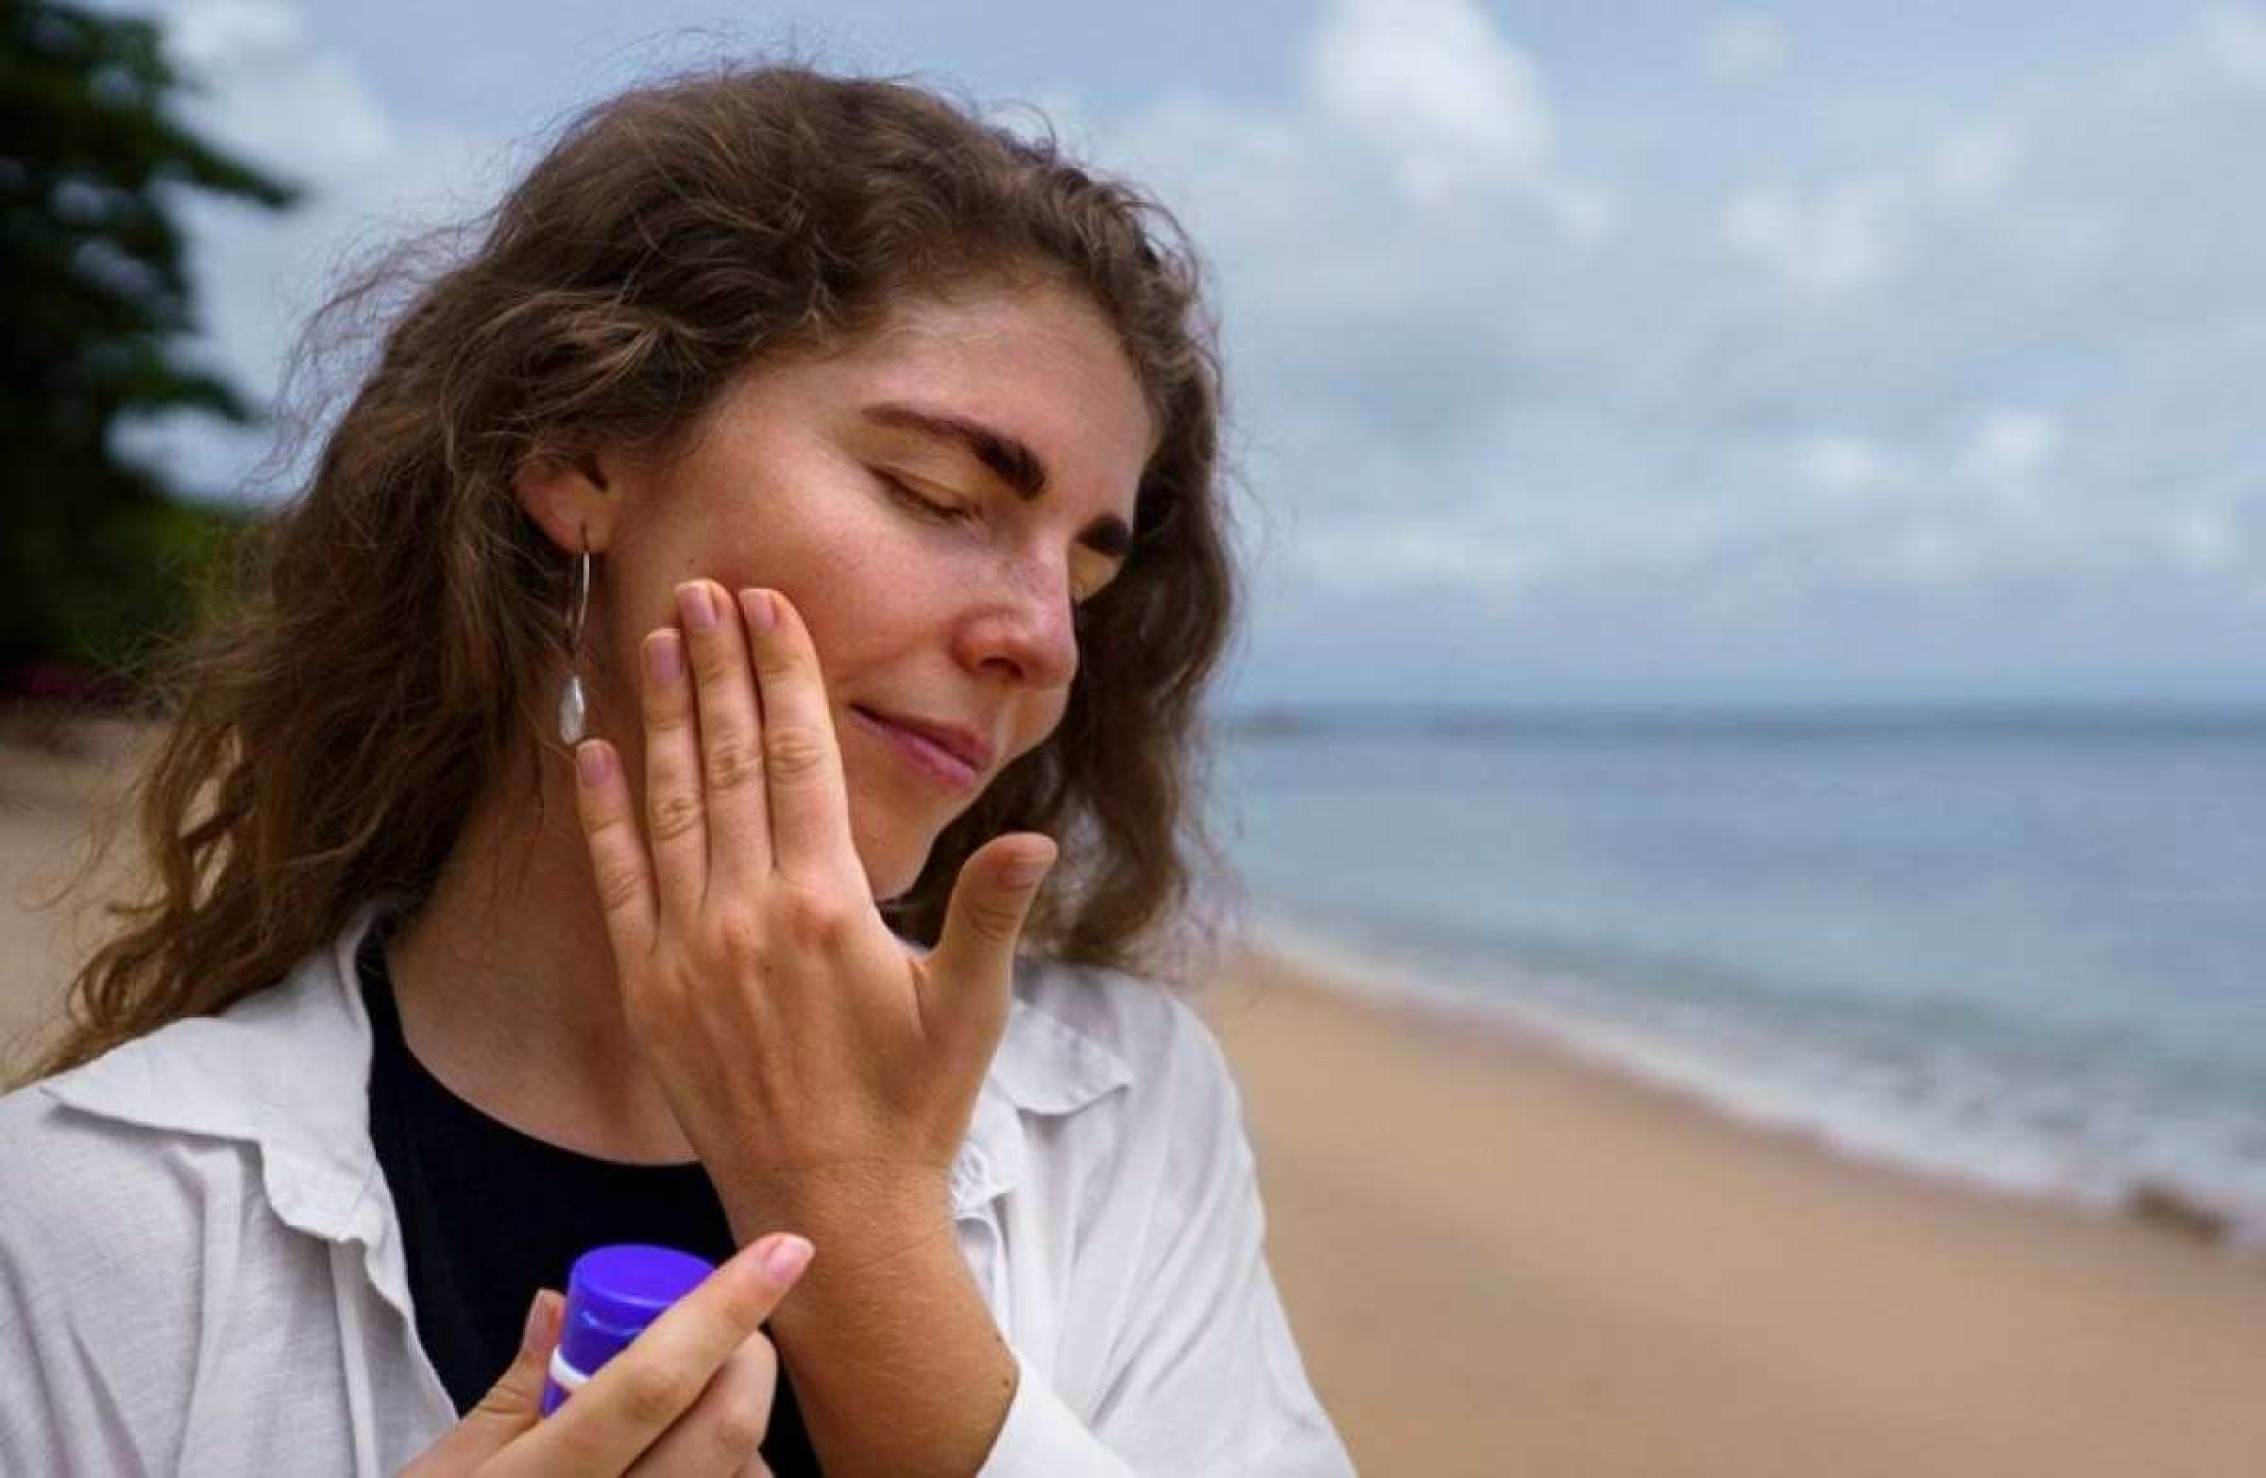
101,556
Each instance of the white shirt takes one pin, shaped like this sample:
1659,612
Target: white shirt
201,1269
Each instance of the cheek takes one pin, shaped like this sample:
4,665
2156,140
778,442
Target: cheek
857,580
1048,720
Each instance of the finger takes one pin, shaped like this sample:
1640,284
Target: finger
640,1393
731,739
618,864
810,805
512,1405
983,922
675,830
726,1426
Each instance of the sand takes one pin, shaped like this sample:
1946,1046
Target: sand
1500,1260
48,802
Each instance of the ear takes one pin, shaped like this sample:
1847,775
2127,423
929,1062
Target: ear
570,497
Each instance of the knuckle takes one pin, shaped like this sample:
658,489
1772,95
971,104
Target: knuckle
674,814
771,663
496,1405
761,1354
598,817
651,1395
995,922
743,1415
811,916
618,885
601,824
739,939
746,1308
794,752
733,763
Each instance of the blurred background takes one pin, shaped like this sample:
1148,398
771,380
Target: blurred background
1756,520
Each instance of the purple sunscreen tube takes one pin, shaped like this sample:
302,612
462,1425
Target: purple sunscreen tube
612,1294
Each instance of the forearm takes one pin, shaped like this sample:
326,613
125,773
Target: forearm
898,1366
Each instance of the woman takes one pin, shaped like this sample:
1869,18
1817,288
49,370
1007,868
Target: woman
845,470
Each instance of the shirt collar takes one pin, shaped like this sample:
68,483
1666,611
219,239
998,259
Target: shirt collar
287,1069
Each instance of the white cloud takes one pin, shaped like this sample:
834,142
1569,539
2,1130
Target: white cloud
1514,363
1958,367
270,91
287,98
1980,159
1846,236
1934,552
1844,467
1494,564
2234,37
1743,48
1437,83
213,35
2012,444
2202,537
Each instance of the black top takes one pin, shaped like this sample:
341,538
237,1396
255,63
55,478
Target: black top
489,1215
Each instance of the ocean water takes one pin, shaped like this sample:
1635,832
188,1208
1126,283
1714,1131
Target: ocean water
2026,951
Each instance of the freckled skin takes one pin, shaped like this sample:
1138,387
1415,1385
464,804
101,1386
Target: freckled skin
961,621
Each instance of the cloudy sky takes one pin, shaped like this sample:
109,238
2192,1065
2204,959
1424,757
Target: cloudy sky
1634,354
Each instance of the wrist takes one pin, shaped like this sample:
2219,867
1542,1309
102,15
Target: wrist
871,1257
860,1217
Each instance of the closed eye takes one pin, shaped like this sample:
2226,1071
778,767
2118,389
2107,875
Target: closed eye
950,512
956,513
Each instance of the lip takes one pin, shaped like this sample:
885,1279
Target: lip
956,756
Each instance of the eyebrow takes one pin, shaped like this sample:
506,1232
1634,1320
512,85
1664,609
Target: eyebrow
1006,457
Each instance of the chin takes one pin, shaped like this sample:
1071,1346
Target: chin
892,871
890,849
893,889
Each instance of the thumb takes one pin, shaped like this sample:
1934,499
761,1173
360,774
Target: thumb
991,900
511,1406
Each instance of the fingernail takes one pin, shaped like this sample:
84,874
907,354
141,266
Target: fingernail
786,1257
663,658
694,605
761,614
538,1321
591,763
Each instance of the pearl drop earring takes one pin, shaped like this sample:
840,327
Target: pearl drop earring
573,708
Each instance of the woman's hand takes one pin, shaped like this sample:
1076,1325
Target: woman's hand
820,1068
692,1394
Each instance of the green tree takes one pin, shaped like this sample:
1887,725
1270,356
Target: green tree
100,555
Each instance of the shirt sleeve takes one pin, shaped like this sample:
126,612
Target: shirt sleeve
90,1351
1204,1377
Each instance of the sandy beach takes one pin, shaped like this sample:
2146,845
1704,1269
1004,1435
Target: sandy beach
1500,1260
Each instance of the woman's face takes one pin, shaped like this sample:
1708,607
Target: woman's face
959,616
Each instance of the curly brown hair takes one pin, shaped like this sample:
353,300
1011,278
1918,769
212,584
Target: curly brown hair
387,661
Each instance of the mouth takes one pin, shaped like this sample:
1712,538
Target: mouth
952,757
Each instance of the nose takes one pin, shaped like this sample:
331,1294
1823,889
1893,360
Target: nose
1024,627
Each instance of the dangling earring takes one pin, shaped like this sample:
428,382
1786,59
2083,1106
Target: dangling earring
572,707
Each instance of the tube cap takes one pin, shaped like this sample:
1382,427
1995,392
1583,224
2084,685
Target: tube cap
614,1292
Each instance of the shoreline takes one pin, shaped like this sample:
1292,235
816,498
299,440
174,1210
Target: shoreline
1501,1258
1283,948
